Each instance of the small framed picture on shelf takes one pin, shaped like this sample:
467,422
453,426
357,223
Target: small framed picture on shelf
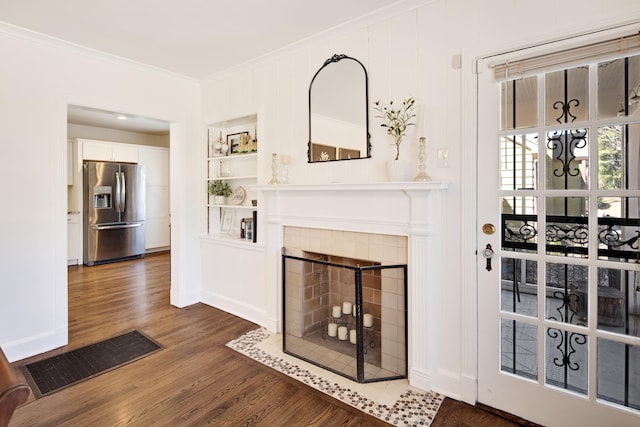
238,195
248,144
226,221
234,141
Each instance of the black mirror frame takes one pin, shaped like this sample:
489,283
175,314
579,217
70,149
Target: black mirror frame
337,58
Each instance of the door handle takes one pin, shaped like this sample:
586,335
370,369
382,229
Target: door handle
117,204
123,194
488,254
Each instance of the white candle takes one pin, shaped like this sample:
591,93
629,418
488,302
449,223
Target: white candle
332,329
342,333
354,310
346,307
286,159
368,320
336,311
352,336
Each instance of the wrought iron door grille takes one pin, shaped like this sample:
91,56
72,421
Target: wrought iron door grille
569,235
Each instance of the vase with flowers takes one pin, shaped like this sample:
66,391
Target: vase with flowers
396,119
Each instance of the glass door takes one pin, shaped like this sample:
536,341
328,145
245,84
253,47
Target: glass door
559,300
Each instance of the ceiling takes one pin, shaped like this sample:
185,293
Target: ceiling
110,120
192,38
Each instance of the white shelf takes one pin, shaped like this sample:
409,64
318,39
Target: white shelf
226,240
225,178
233,157
248,207
235,167
240,170
231,239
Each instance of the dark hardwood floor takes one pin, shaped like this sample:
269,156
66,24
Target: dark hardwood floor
195,380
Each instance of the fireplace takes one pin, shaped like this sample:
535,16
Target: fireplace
402,223
345,314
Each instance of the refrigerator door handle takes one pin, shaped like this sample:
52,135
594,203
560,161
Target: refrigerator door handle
115,227
123,192
118,197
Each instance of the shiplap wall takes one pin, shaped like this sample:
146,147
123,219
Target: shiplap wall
412,53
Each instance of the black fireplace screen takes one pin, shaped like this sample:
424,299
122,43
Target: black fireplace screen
346,315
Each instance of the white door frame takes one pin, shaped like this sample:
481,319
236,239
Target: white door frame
505,395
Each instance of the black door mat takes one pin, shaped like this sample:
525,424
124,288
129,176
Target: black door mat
57,372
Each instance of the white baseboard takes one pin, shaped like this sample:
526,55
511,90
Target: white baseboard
468,389
253,314
274,325
156,250
420,379
446,383
36,344
185,299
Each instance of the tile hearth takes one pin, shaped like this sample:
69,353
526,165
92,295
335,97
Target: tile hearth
395,402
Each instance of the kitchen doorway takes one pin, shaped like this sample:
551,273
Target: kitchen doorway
100,135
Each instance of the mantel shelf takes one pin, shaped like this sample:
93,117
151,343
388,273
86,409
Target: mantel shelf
371,187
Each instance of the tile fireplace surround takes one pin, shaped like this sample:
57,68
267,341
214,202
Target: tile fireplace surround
411,211
323,294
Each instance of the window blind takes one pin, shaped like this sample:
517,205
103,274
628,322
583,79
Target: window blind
517,68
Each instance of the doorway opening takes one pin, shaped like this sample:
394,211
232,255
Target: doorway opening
108,136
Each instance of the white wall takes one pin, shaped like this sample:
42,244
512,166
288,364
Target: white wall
411,53
38,79
126,137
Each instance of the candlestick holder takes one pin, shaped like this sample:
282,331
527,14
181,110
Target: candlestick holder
284,173
422,161
274,169
342,320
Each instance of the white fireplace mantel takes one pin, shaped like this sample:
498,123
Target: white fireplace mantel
376,186
412,209
386,208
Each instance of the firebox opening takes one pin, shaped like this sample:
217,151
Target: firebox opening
347,315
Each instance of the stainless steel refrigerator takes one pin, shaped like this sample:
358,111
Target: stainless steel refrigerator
114,211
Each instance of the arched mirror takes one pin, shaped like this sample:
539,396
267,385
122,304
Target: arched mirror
338,111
